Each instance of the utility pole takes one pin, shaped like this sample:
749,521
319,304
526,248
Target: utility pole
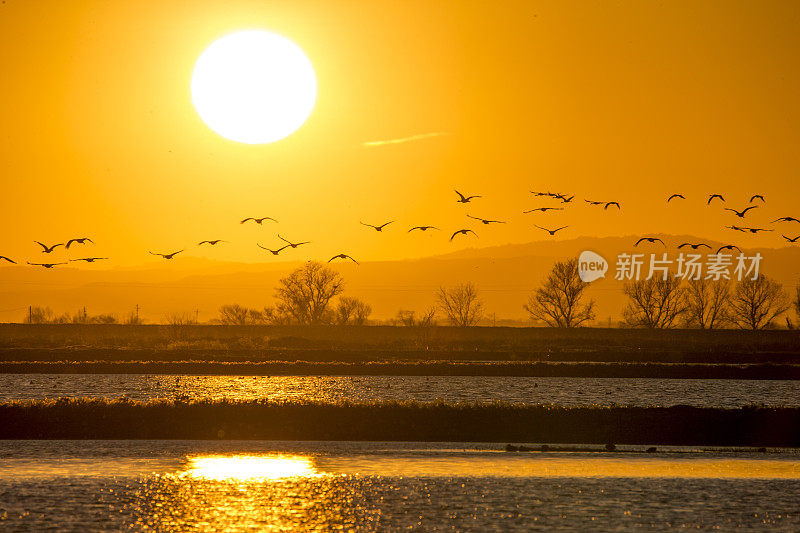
196,316
137,314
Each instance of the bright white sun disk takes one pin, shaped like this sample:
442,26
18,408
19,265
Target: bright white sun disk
254,87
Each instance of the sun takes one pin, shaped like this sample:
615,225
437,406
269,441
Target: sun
254,87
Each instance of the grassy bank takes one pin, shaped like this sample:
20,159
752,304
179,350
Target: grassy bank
114,342
428,368
101,419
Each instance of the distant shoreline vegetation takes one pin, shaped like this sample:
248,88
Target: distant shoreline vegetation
399,421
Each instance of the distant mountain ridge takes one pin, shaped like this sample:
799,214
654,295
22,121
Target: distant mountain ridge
505,276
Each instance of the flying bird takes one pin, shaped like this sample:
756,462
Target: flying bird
741,214
785,219
593,202
486,221
212,243
273,252
89,259
82,240
755,230
564,199
539,193
612,203
2,257
292,244
343,256
463,232
757,196
682,197
712,196
729,247
694,246
377,228
551,231
48,249
167,256
257,220
736,228
784,236
544,209
649,239
45,265
465,199
422,228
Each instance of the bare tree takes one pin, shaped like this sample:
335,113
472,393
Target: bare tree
797,300
352,311
235,314
757,302
304,294
654,302
406,317
409,318
461,304
558,301
39,315
707,303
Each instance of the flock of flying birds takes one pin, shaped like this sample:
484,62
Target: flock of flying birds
562,198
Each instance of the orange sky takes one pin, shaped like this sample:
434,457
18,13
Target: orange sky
630,102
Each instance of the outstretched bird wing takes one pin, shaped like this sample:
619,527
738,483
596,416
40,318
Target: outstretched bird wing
612,203
7,259
246,219
460,195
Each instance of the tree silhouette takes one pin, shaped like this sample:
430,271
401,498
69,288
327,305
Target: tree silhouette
654,302
757,302
558,301
352,311
707,303
461,305
235,314
304,294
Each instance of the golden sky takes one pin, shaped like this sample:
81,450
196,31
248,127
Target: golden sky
627,101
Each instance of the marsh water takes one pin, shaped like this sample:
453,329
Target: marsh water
322,486
723,393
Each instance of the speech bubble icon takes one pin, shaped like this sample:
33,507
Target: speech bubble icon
591,266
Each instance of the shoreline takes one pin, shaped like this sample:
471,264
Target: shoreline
399,421
431,368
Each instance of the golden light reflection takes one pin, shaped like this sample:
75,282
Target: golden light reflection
250,467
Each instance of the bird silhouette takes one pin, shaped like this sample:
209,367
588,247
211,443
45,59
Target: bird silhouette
649,239
790,239
612,203
293,244
755,230
82,240
564,199
682,197
593,202
377,228
785,219
89,259
212,243
742,213
728,247
45,265
48,249
273,252
712,196
463,232
257,220
167,256
465,199
486,221
735,228
543,209
551,231
694,246
760,197
343,256
2,257
535,193
422,228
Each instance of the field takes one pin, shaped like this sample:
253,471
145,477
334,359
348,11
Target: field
391,421
96,342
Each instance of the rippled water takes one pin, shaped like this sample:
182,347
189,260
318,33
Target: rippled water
280,486
561,391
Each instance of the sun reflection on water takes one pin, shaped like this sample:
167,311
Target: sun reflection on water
250,467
